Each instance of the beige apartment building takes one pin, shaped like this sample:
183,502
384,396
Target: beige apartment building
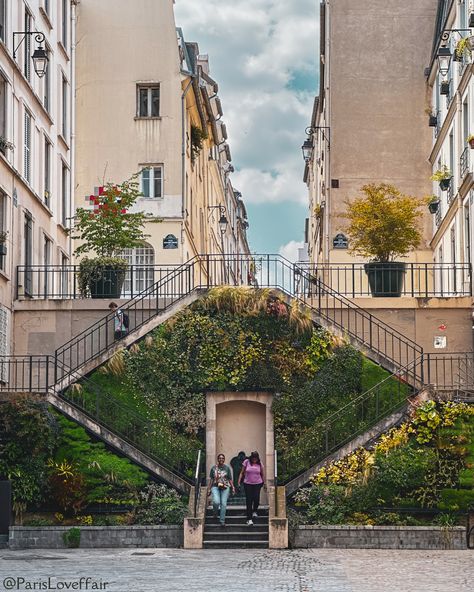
36,147
145,102
368,123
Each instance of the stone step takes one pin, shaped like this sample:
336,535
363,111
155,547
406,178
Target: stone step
233,526
3,541
226,534
243,544
239,510
237,520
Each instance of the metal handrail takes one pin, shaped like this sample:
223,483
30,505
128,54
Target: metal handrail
357,416
197,484
137,430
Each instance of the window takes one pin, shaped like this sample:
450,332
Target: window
64,108
3,19
3,223
46,6
4,351
64,15
64,276
152,182
148,101
28,252
141,274
64,195
47,172
27,46
47,87
47,248
3,110
170,242
27,148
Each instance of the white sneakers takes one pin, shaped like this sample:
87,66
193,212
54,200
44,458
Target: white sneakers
249,523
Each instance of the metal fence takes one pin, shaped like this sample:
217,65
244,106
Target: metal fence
420,280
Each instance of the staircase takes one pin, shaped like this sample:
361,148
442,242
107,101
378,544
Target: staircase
179,288
236,534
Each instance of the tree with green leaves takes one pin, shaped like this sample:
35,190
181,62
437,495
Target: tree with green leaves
384,223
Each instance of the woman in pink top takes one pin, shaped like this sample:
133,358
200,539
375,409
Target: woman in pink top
253,476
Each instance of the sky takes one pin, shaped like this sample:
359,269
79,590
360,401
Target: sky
263,54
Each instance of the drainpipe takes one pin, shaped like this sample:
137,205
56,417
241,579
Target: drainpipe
72,200
183,158
328,93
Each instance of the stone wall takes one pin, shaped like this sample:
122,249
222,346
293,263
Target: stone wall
379,537
51,537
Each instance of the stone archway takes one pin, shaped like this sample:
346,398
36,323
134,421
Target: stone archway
240,421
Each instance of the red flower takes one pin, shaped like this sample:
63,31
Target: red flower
123,211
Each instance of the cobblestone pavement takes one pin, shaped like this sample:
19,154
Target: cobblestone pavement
175,570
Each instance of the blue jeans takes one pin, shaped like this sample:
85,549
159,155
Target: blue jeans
219,498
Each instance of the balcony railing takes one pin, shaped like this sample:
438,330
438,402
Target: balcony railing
421,280
464,163
61,282
450,191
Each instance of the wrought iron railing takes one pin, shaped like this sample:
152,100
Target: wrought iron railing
144,433
351,420
450,191
464,163
451,374
421,280
61,282
197,482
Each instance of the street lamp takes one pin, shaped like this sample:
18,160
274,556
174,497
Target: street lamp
323,130
307,149
223,222
40,55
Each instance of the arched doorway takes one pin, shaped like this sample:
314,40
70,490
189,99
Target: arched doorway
141,274
240,421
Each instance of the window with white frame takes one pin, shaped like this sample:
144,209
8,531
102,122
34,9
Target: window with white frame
3,19
3,112
64,194
46,81
27,146
46,6
27,45
152,182
64,16
3,223
47,172
64,104
148,100
4,317
141,273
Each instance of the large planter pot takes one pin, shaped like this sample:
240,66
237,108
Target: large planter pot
471,144
433,121
385,279
433,206
109,285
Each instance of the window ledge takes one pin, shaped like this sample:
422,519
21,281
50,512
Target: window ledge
138,118
64,141
46,17
63,50
4,275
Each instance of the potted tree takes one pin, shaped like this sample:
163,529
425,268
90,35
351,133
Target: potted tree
106,231
433,204
470,141
3,240
384,224
443,176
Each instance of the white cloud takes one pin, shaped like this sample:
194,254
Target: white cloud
256,48
290,250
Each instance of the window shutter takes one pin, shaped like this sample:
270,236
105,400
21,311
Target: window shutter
27,148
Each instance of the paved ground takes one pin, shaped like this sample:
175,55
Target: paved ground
315,570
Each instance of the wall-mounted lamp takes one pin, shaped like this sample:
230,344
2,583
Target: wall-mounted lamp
444,54
223,222
307,149
40,55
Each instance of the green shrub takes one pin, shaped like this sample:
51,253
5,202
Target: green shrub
160,504
329,504
454,500
72,538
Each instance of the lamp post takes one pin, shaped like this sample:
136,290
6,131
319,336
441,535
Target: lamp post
40,55
444,54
